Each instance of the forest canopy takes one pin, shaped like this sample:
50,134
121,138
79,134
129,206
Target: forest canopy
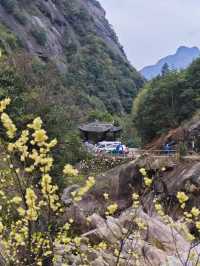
166,101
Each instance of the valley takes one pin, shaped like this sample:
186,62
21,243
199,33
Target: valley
99,163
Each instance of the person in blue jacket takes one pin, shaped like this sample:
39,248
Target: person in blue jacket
119,149
167,148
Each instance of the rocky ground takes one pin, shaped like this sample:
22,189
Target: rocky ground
158,246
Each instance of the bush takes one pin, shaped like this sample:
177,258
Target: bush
9,5
20,17
164,103
182,149
40,36
100,116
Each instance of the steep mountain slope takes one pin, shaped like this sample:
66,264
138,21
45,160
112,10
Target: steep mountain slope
76,36
183,57
167,101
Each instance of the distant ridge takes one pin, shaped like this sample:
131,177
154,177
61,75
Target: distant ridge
183,57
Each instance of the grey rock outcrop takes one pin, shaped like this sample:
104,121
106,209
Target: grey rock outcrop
50,17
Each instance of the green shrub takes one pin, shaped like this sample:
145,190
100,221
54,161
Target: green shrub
9,5
7,39
20,17
182,149
40,36
101,116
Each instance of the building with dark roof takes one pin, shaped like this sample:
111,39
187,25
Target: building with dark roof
99,131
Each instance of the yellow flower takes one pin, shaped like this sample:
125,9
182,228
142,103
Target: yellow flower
1,228
46,184
4,103
8,125
189,237
31,203
40,136
147,181
140,224
182,197
37,124
143,171
32,214
116,252
77,241
69,170
19,238
16,200
21,211
47,253
135,196
198,225
159,209
111,209
102,246
195,212
52,144
187,215
90,182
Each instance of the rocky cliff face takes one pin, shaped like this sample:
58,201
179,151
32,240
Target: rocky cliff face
78,38
58,20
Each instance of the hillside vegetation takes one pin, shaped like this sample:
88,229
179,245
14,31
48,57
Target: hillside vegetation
63,61
167,101
78,39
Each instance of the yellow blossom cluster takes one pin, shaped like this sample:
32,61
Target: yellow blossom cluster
1,227
195,211
36,124
69,170
182,198
159,209
90,182
20,145
135,198
140,223
198,225
40,157
111,209
31,203
143,171
17,200
8,125
102,246
49,192
4,103
36,203
147,181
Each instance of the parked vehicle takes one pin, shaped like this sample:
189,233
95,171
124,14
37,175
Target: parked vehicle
115,147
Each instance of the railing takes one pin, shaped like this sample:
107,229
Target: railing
137,153
159,152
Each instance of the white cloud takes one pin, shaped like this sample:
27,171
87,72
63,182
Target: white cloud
151,29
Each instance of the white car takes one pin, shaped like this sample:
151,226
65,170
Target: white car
106,146
109,147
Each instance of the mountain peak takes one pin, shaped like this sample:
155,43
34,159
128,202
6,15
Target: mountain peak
183,57
185,49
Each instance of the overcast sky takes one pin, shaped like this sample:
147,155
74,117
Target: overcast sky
151,29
